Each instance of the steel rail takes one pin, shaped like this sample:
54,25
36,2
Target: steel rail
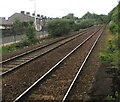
55,66
81,67
16,67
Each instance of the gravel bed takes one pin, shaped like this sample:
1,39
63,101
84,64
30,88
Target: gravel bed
15,83
83,87
57,84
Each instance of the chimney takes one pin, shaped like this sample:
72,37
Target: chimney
42,16
33,14
38,15
22,12
28,13
3,17
45,17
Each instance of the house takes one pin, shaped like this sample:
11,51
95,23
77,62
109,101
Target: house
5,24
25,17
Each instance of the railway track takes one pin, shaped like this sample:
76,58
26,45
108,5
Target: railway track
70,89
14,63
18,81
53,79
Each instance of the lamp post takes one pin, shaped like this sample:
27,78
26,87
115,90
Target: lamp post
35,12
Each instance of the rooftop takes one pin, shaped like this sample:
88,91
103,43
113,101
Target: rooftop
3,21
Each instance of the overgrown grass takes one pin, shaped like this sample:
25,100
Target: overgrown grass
111,52
110,57
20,45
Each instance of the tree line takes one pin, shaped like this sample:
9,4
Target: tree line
64,25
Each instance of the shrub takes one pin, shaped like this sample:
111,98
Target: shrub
113,27
18,28
76,26
58,27
9,48
86,23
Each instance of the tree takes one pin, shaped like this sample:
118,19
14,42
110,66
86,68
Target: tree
98,19
30,31
70,16
17,28
88,15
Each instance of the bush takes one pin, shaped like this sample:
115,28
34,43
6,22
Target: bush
58,27
76,27
85,24
113,27
9,48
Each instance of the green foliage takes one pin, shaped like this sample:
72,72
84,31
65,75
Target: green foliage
86,23
30,31
111,54
17,27
97,19
114,16
76,27
27,28
23,43
82,24
59,27
69,16
29,40
111,98
113,27
116,98
9,48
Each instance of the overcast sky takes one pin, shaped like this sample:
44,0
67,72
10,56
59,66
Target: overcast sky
57,8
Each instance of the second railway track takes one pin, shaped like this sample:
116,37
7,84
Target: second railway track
13,63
